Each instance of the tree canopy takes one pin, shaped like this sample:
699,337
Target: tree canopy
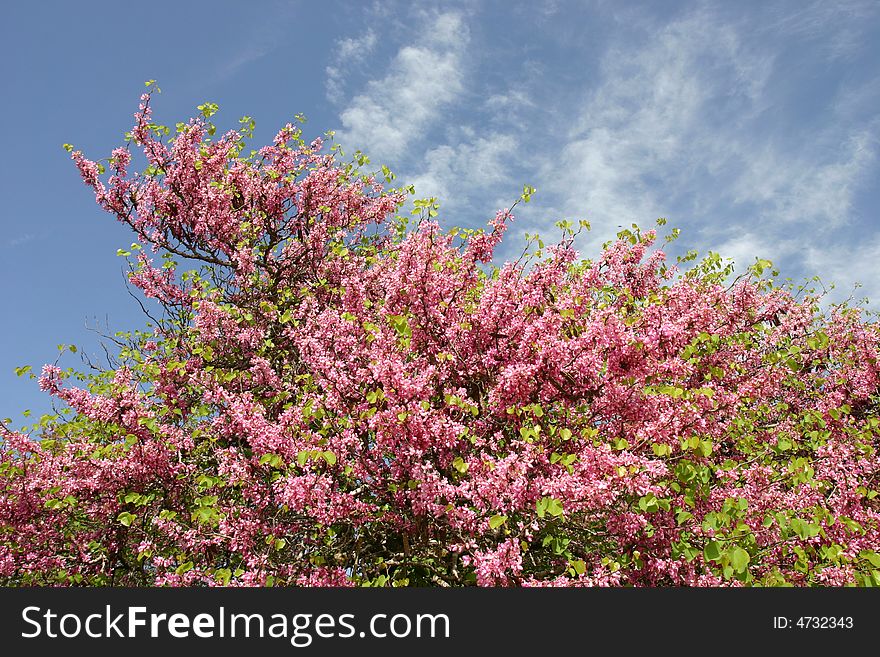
331,396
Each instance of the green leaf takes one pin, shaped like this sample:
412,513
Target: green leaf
760,265
649,503
712,551
496,521
400,324
126,518
223,575
804,529
330,457
273,460
872,557
460,465
208,109
739,559
554,506
205,514
661,449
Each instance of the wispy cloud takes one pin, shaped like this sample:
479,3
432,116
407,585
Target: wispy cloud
349,52
424,78
851,268
241,58
444,132
455,172
260,38
20,240
838,29
655,121
786,189
690,125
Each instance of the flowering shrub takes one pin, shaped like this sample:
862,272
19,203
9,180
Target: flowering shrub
330,398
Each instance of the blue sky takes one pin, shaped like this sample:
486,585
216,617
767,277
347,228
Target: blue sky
753,127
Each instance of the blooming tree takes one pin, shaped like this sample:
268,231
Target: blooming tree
330,397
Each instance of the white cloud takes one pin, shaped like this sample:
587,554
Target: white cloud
348,53
424,79
745,247
837,29
511,110
847,266
685,125
790,189
457,172
644,127
856,99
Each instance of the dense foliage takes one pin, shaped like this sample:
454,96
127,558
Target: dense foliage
330,397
